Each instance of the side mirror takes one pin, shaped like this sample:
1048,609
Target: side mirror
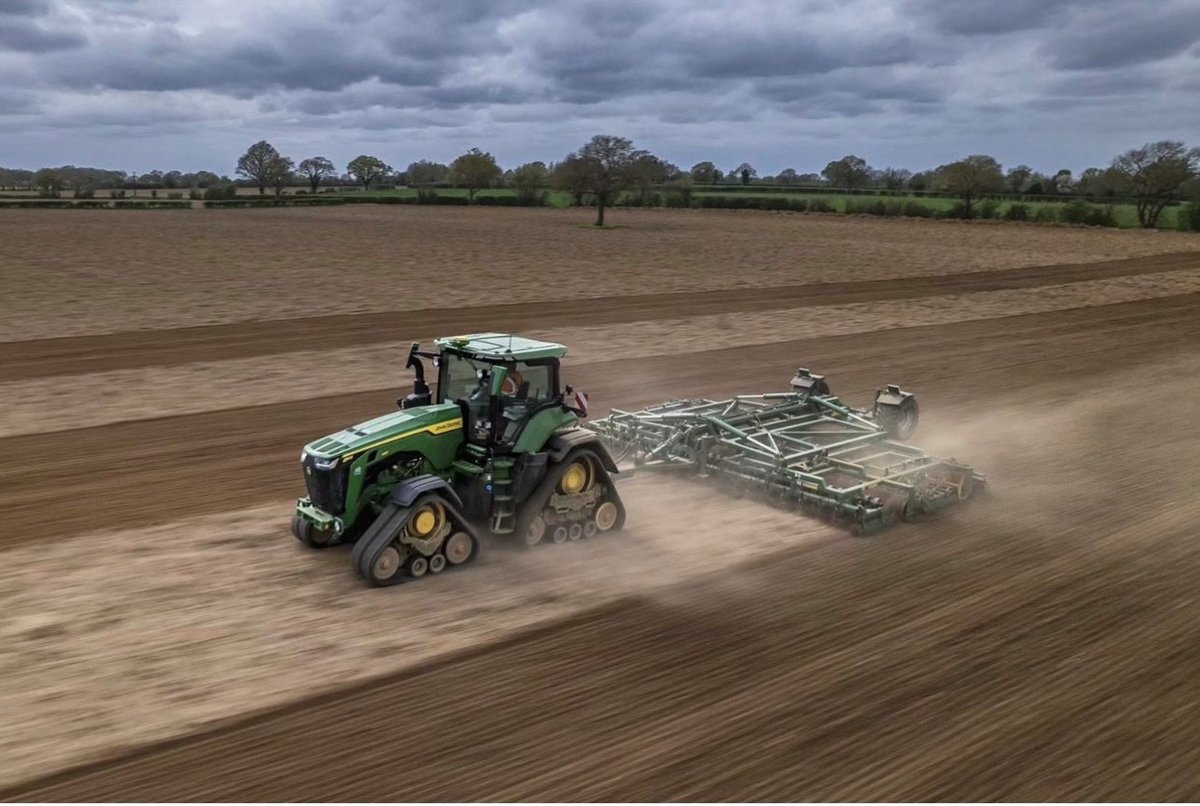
421,396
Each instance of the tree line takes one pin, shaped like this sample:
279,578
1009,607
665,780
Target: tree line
1151,176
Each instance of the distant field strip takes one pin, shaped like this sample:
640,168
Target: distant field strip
74,275
93,399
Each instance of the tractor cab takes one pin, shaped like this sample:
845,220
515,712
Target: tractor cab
505,385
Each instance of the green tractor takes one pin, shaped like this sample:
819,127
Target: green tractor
496,450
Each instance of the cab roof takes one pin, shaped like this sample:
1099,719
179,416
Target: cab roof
501,346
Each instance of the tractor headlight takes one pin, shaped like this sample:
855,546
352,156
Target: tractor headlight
325,464
317,462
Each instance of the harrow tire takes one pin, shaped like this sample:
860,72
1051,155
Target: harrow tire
900,421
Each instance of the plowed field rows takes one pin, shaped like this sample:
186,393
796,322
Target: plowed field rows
164,638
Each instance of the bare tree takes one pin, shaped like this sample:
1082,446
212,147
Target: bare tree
314,169
1154,175
366,169
849,172
474,170
257,164
971,179
606,162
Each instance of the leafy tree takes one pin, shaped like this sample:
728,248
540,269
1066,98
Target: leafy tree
705,173
366,169
48,181
849,172
1061,182
645,173
971,179
1155,175
788,176
572,176
258,163
921,181
280,173
1018,178
314,169
681,186
476,169
894,178
606,163
746,172
427,173
528,182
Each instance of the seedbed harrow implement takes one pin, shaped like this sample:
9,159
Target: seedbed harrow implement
803,449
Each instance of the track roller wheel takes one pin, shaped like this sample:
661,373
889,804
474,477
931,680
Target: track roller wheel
559,535
606,516
387,565
460,547
575,531
437,563
535,531
589,529
417,566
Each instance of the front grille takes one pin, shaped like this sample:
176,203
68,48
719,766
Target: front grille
326,488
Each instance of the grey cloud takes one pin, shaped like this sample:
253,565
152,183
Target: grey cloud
24,36
504,73
24,8
990,18
1124,37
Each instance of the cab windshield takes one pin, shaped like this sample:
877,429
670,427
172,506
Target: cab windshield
462,377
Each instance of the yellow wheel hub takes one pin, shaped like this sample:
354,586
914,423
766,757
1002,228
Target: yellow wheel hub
424,522
575,479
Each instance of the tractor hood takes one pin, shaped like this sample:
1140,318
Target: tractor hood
351,442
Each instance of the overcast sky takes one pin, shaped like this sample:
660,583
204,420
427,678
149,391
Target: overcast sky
141,84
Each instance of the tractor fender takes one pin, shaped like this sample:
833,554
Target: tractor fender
409,490
563,442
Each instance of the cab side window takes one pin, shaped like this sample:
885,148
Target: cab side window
537,383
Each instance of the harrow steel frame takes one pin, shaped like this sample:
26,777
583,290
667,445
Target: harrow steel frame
804,448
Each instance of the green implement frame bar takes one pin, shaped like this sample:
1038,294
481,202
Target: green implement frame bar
797,449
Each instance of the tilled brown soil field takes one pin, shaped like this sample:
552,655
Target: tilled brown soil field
1039,645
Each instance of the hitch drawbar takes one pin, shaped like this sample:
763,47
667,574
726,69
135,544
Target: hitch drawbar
804,448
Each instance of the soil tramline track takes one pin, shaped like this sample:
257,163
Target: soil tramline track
1041,644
